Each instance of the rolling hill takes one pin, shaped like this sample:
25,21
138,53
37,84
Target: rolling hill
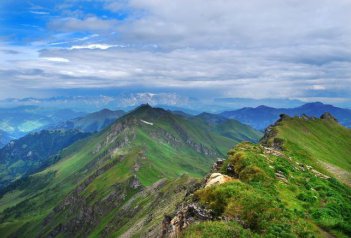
278,188
119,182
263,116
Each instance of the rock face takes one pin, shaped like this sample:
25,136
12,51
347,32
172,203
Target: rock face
189,211
217,165
328,116
186,215
217,178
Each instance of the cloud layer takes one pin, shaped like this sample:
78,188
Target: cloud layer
231,49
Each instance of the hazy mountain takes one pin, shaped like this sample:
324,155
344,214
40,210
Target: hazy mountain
262,116
124,101
287,186
127,101
4,138
92,122
18,121
121,181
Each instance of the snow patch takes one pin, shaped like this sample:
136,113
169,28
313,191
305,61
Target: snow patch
148,123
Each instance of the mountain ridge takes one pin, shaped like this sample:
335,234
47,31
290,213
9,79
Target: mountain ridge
325,142
262,116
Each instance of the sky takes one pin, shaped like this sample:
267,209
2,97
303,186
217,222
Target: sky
215,50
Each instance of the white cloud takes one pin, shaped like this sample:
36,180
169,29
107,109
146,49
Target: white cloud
230,73
240,23
39,12
56,59
95,46
252,49
318,87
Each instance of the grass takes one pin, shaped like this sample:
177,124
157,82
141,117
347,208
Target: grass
302,206
322,143
322,139
218,229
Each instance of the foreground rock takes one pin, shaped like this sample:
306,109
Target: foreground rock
217,178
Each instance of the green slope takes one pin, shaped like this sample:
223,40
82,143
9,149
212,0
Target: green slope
279,188
228,127
110,182
323,141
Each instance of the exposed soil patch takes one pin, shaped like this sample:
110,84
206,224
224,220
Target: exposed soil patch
341,174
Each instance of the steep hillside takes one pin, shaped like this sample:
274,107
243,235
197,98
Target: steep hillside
323,141
274,189
119,182
32,152
262,116
92,122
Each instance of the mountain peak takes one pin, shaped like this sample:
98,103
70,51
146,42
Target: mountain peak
145,106
283,117
105,110
263,107
145,110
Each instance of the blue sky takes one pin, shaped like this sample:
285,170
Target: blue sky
254,50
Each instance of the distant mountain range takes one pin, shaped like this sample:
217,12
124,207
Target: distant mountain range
262,116
127,101
124,101
19,121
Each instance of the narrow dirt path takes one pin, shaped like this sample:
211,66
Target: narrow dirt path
339,173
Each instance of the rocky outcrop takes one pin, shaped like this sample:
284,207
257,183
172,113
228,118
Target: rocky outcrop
190,211
172,227
217,178
217,165
328,116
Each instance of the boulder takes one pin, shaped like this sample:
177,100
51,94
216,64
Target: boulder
217,178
